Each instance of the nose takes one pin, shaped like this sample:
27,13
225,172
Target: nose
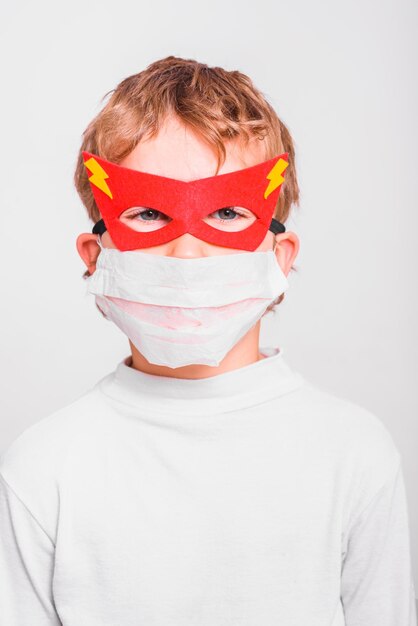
187,246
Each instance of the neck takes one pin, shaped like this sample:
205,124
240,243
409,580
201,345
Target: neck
244,352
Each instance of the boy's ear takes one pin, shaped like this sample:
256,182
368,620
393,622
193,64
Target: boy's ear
89,250
286,249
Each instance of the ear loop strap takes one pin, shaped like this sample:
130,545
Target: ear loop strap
99,228
276,227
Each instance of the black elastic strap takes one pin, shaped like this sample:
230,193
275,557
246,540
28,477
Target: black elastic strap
99,228
276,227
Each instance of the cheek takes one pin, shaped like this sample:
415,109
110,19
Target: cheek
106,240
188,245
162,250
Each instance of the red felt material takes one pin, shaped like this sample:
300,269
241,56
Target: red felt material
186,203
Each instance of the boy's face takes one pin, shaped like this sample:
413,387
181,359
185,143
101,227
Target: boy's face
177,152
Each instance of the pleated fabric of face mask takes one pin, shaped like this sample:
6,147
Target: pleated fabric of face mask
181,311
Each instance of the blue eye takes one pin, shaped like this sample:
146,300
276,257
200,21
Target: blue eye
150,215
147,219
146,215
230,212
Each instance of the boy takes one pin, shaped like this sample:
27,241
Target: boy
203,481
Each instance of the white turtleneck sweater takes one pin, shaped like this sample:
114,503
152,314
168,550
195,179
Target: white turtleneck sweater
251,498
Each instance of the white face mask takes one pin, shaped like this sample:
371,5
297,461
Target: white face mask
185,311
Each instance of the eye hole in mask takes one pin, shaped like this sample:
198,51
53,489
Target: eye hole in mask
146,219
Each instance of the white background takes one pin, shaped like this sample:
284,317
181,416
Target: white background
343,76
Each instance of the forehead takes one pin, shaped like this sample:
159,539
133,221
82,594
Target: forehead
178,152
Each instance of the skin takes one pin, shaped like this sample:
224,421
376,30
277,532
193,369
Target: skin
178,152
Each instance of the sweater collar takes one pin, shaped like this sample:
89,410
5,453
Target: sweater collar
247,386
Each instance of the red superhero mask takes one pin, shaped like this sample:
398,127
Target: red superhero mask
186,204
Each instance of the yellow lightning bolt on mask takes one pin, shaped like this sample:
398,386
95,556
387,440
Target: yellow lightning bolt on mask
275,177
98,176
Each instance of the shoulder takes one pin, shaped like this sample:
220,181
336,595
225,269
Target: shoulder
359,433
43,443
353,442
36,462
